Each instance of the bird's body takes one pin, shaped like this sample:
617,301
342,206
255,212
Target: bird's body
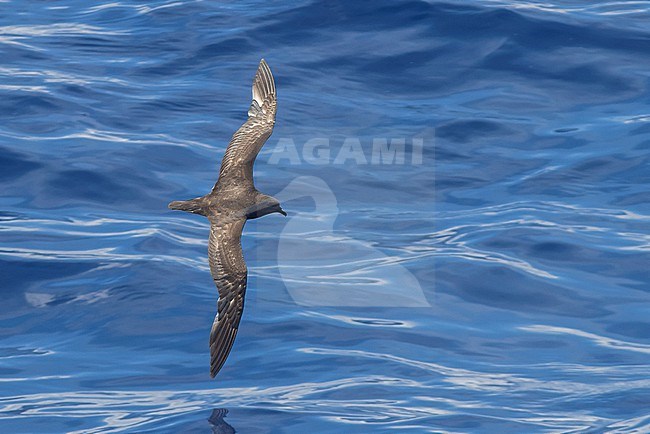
232,201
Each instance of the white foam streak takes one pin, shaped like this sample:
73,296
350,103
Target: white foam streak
602,341
458,240
53,76
103,254
139,9
57,29
596,9
47,377
131,410
491,382
127,410
116,137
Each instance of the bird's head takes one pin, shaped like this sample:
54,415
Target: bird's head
264,205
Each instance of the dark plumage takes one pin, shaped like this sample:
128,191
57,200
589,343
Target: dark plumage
231,202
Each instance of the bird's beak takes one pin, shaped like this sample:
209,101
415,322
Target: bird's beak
281,211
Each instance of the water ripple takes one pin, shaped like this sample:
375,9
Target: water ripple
523,230
598,340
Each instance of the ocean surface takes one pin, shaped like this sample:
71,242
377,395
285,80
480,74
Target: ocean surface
467,248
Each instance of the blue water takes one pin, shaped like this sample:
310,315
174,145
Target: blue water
500,285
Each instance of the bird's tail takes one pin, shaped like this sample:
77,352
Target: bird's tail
195,206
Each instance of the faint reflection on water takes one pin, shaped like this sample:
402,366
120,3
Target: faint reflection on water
218,424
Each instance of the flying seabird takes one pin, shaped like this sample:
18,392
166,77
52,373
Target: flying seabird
233,200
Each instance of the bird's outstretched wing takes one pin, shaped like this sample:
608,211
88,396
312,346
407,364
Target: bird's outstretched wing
237,163
229,273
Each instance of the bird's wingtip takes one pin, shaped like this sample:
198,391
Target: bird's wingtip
263,90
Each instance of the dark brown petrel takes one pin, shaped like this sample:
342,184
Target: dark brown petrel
232,201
